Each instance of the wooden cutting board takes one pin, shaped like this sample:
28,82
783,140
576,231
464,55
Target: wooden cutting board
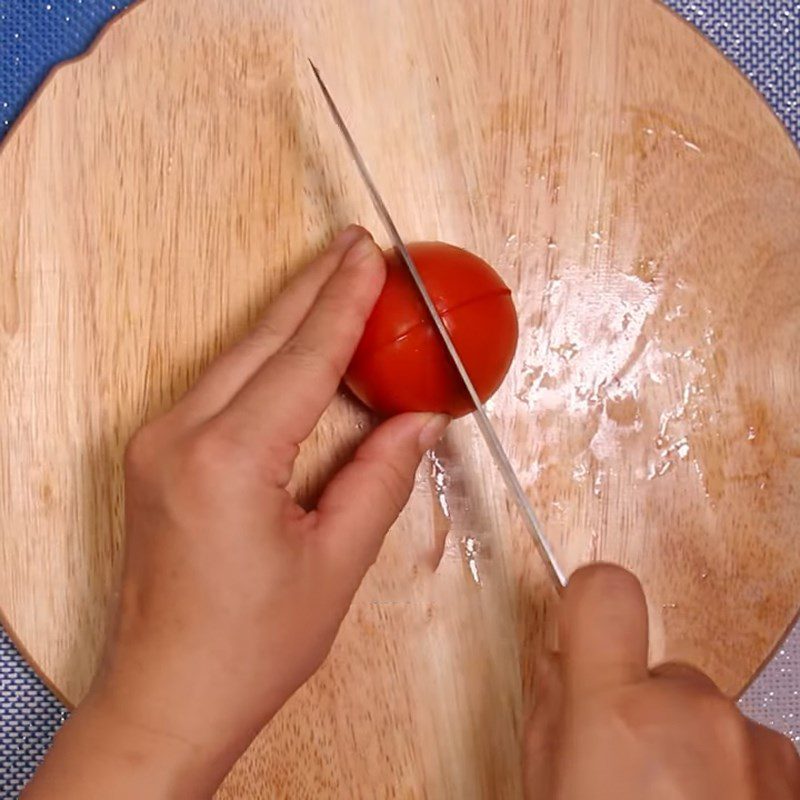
632,189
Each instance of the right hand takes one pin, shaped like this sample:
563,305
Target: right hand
607,727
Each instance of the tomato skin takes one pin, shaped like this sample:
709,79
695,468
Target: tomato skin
401,364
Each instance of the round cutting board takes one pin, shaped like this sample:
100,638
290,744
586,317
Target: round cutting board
631,188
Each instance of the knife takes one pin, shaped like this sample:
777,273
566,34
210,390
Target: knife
481,418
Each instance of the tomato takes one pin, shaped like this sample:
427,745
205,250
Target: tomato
401,363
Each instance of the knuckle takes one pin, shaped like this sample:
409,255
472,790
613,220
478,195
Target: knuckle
789,757
687,674
264,332
278,462
394,483
634,710
207,449
341,325
352,292
217,447
139,452
793,771
313,361
722,720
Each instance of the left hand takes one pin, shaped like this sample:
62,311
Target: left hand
232,593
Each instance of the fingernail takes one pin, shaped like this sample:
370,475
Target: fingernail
359,250
432,431
347,237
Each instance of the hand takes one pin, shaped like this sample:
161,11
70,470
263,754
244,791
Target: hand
605,727
232,594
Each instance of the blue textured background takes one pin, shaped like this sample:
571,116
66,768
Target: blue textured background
762,38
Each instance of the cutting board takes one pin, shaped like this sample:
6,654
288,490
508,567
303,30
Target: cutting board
629,185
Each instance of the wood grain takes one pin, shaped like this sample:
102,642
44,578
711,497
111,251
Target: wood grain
630,186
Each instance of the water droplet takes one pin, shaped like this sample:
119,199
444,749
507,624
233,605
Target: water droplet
567,351
646,269
658,470
440,481
594,544
676,313
471,550
579,472
691,145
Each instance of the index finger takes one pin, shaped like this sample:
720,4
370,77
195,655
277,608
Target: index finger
229,371
603,629
288,394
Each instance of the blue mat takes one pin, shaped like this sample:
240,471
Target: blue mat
762,38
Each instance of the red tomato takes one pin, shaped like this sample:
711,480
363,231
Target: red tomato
401,363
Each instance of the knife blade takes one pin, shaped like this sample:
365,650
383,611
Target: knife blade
485,426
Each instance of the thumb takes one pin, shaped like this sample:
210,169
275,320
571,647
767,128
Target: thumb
364,499
603,629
